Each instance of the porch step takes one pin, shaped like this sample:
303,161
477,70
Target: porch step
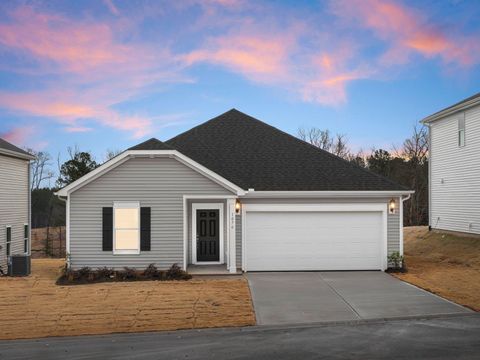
200,270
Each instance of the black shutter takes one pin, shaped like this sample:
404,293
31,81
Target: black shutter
145,229
107,243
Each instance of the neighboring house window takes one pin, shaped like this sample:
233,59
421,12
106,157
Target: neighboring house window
9,240
461,130
126,228
25,238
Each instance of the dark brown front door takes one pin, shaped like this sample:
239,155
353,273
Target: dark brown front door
208,239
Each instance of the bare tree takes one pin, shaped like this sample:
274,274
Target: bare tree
415,148
110,154
415,153
337,145
40,168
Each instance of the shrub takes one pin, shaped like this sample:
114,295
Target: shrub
105,273
176,273
128,273
86,275
84,272
151,272
395,260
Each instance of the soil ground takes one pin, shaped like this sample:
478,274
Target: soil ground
48,242
35,307
444,263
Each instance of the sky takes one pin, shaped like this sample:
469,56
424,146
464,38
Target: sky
110,74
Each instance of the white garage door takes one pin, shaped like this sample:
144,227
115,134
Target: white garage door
309,240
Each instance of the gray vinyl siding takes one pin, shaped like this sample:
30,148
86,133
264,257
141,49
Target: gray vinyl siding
238,239
158,183
393,230
14,204
393,220
455,173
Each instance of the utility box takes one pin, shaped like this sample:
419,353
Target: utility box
19,265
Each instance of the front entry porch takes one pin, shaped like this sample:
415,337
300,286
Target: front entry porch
211,270
210,244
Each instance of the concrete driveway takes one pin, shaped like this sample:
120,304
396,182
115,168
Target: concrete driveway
309,297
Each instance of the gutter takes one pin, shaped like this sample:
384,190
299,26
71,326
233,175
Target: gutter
451,110
326,194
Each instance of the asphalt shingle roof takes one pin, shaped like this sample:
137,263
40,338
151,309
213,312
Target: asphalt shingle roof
151,144
252,154
10,147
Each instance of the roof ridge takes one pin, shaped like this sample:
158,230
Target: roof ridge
203,123
322,150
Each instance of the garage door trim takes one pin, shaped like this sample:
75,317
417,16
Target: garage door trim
357,207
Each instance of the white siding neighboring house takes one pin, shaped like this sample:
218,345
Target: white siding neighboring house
236,192
454,167
14,202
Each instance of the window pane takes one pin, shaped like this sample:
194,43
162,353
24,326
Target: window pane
126,239
461,138
25,246
126,218
9,234
25,231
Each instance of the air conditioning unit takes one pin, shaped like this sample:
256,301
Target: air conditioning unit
19,265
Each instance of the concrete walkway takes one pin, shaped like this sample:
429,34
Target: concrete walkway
311,297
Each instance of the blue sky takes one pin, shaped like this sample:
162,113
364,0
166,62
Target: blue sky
109,74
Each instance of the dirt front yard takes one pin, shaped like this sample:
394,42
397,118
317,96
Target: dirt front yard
443,263
35,307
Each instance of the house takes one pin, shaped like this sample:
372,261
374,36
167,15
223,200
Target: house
14,202
234,192
454,167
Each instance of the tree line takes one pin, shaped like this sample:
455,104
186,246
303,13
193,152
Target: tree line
407,165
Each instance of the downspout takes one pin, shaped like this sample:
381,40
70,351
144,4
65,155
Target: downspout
401,221
429,177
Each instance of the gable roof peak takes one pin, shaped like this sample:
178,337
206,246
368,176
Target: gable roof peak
151,144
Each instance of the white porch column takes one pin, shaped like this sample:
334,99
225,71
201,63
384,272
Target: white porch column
231,235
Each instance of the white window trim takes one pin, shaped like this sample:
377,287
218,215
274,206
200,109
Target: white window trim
207,206
26,239
360,207
461,130
126,205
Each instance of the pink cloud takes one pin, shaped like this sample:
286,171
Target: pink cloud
97,70
111,6
67,108
78,129
408,32
255,56
278,57
19,136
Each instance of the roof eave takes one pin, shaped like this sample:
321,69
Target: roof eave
126,155
450,111
17,154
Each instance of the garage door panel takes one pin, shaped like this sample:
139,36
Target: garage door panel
313,240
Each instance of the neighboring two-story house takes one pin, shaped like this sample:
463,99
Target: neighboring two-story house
454,167
14,202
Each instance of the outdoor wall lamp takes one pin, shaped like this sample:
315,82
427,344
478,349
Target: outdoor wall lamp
238,206
391,206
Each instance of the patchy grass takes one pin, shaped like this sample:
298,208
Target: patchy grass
443,263
35,307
